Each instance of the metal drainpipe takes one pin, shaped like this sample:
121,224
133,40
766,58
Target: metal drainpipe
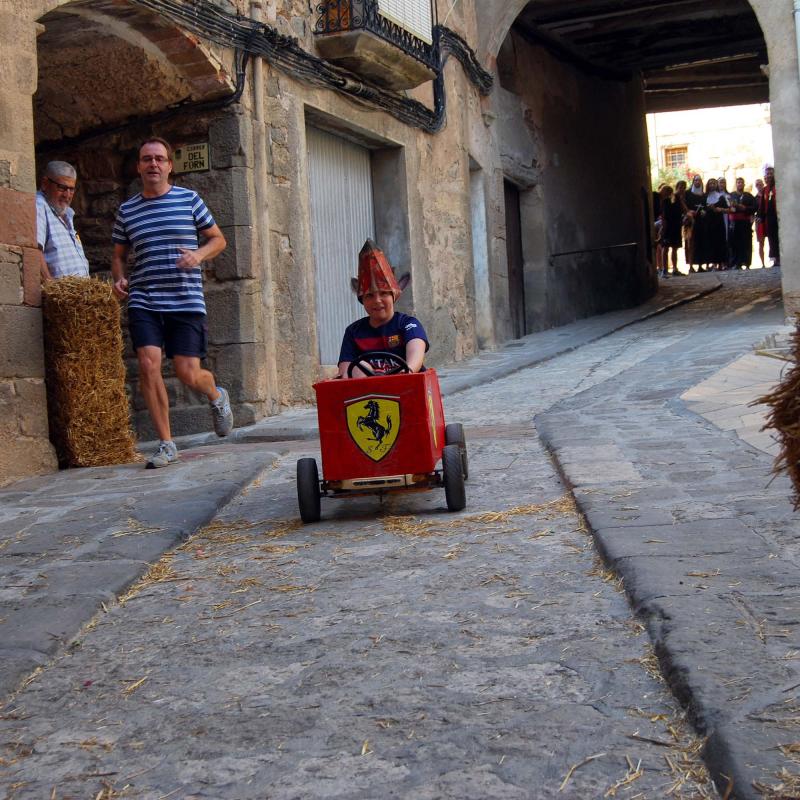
797,30
261,217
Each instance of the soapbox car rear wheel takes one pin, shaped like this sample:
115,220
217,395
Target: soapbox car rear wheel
308,494
454,434
453,478
363,363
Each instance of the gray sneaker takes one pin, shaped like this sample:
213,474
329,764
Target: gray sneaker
222,414
166,454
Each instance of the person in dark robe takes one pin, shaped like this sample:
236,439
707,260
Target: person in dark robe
672,211
722,185
760,235
768,212
742,208
710,238
694,199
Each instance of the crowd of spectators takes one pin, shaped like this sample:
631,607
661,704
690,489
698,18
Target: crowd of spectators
715,226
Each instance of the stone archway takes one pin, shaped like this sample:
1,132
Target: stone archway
81,84
98,63
495,19
106,67
175,86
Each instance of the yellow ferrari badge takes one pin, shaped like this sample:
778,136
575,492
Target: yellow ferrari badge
374,423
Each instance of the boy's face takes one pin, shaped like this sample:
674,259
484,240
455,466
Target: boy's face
380,307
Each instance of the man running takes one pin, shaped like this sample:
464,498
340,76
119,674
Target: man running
166,307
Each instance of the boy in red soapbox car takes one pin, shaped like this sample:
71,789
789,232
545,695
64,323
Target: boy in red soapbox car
381,421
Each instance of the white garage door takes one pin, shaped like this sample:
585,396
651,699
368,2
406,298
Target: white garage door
342,219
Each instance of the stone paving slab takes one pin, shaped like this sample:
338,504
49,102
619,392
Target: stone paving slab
725,398
703,536
73,540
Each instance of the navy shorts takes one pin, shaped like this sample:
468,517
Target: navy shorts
179,333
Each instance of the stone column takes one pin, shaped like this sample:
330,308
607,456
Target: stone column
24,446
777,24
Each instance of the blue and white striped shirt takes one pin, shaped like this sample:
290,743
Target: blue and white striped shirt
58,241
155,227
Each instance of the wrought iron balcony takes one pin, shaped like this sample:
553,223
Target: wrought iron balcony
355,34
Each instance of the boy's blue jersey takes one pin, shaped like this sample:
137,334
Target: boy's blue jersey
392,337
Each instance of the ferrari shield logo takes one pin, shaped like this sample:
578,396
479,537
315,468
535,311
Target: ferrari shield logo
374,422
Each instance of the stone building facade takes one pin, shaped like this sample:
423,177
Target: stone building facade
527,208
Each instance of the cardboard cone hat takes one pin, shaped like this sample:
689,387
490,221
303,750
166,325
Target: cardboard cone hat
374,272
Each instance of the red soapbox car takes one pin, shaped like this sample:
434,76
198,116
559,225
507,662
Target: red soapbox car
380,434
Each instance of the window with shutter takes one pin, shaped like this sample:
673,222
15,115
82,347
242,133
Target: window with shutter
413,15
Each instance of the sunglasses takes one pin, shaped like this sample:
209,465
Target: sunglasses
60,186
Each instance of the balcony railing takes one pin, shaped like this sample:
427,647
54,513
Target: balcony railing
340,16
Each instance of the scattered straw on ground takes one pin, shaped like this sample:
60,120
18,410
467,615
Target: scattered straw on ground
87,402
787,787
633,774
135,528
607,575
577,766
649,663
689,777
238,531
108,792
488,520
160,572
133,685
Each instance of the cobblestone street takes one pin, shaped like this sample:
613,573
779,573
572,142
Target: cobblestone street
398,650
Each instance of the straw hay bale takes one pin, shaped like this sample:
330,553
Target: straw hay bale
784,416
87,404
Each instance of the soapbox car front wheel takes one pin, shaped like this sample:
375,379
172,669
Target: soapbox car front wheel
363,363
308,494
453,478
454,434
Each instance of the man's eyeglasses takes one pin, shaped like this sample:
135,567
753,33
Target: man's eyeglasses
60,186
157,159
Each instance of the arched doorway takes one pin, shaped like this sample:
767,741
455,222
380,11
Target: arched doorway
110,74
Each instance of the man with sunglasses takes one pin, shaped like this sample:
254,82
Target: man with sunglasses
170,232
62,251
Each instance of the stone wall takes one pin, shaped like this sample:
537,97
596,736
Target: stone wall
431,176
582,173
25,448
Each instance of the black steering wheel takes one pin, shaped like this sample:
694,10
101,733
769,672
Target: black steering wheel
363,363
